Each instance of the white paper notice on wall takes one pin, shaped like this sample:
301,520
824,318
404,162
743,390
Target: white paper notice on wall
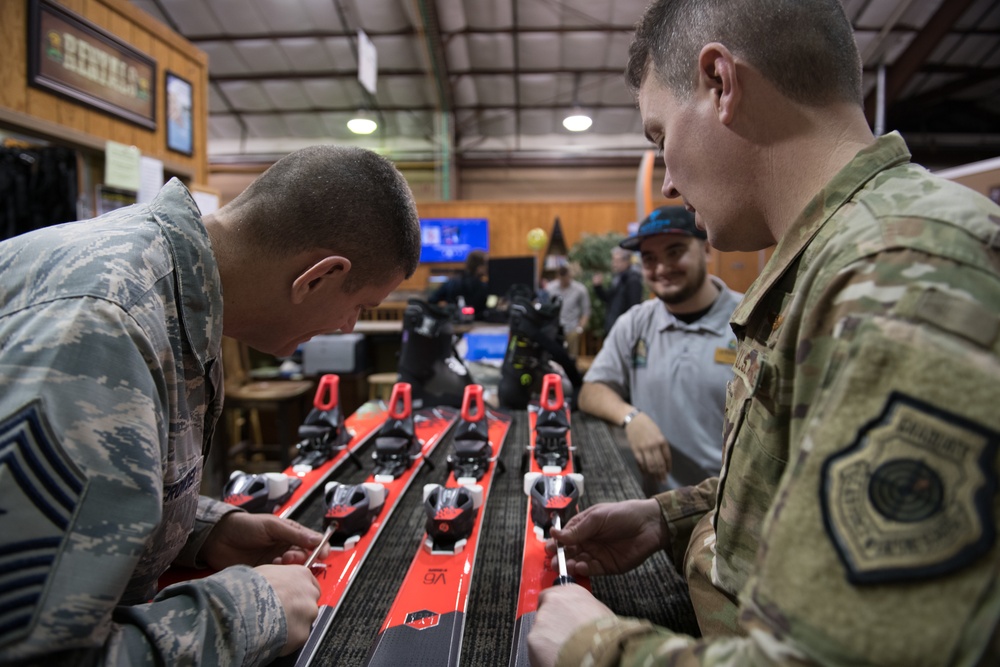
367,62
150,179
206,199
121,166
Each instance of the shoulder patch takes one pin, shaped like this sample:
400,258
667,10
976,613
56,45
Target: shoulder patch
40,488
912,496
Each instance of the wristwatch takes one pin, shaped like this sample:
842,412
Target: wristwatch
630,416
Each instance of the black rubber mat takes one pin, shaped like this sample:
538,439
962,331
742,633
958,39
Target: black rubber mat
653,591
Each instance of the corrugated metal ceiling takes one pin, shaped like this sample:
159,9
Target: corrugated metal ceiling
488,81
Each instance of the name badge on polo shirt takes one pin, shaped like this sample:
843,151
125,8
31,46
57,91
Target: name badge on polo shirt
726,355
640,354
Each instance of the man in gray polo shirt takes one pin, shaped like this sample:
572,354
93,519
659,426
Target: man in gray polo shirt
663,369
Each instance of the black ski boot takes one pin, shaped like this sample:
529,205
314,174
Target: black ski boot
427,360
536,339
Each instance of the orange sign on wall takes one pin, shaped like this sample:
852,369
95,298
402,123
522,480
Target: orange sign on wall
72,57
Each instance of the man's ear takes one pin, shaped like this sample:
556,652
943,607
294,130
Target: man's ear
717,74
329,269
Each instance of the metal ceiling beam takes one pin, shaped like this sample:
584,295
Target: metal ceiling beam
444,133
431,29
973,77
478,108
404,32
910,61
416,72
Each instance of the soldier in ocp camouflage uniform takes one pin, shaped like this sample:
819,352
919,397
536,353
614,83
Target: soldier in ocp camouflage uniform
110,389
855,518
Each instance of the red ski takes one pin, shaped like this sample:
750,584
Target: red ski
326,441
554,492
425,624
356,513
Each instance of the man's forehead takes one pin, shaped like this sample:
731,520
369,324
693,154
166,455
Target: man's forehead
663,242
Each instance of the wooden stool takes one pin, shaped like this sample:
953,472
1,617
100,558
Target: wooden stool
380,385
245,398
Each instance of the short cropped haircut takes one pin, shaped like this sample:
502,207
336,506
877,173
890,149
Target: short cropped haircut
350,201
805,48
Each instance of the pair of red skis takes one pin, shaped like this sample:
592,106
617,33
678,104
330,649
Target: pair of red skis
426,622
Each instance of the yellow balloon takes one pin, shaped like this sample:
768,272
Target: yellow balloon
537,238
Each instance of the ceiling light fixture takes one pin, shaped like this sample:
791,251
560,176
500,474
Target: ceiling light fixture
577,121
362,124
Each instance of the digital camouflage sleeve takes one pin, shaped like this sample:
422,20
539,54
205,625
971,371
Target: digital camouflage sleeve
857,512
110,388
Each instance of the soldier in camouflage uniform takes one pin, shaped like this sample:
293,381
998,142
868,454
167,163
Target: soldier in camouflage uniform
855,518
110,389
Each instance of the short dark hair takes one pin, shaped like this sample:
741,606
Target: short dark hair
805,48
475,260
349,200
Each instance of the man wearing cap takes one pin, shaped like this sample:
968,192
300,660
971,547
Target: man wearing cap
663,369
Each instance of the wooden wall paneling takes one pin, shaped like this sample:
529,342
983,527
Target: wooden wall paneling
67,120
14,64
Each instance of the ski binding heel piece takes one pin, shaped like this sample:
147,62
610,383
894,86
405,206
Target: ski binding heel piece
451,515
261,493
350,510
552,495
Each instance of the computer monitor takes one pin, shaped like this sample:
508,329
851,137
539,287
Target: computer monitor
505,272
452,239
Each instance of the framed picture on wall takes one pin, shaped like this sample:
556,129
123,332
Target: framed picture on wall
74,58
180,135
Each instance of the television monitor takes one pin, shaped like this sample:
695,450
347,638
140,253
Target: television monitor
505,272
452,239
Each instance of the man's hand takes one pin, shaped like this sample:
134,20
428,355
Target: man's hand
610,538
241,538
298,591
598,279
561,610
651,449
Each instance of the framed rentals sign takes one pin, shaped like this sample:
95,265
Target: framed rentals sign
179,135
72,57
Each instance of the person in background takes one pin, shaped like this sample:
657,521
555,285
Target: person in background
663,368
625,290
575,310
468,288
111,387
855,520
